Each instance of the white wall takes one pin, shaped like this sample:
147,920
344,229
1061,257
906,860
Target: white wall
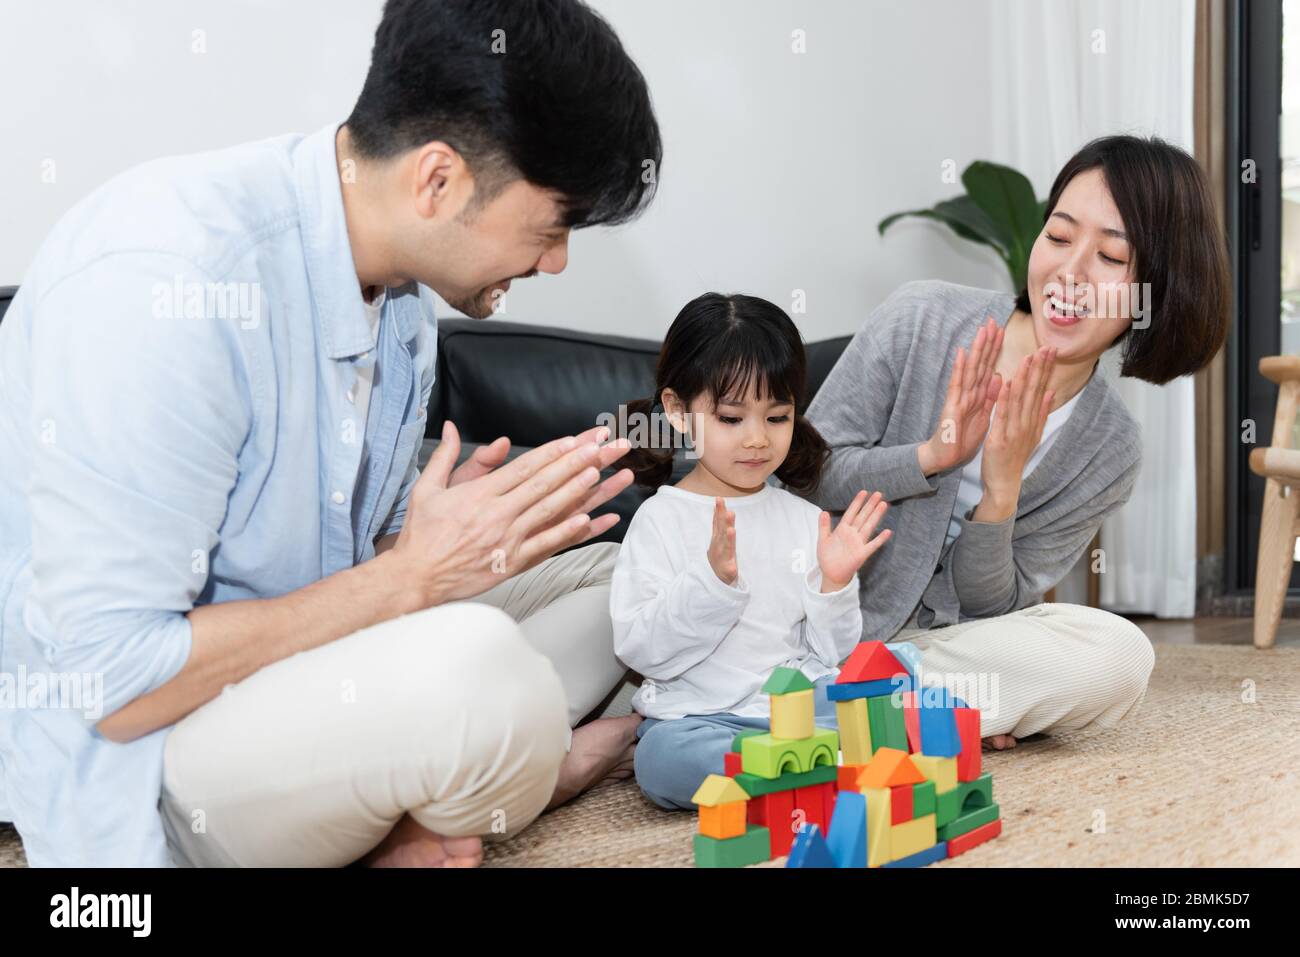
777,166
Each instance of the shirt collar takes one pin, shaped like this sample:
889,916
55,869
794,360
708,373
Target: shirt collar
331,272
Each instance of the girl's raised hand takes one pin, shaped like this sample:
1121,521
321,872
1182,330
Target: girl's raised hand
722,547
841,553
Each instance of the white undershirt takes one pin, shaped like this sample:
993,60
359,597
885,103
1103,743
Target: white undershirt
366,372
971,489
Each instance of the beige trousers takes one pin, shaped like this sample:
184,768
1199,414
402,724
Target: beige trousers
1046,667
459,715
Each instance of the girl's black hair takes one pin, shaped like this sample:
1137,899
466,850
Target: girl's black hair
721,346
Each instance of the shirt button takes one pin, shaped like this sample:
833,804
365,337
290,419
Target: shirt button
337,498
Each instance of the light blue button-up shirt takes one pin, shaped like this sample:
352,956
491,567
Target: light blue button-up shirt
173,433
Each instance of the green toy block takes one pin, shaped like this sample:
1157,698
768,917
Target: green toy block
769,757
947,806
742,735
967,822
888,728
752,847
787,681
975,794
755,786
923,799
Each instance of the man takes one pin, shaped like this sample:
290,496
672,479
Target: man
213,387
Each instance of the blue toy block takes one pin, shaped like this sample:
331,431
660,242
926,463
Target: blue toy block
868,689
809,849
907,654
938,724
936,852
847,840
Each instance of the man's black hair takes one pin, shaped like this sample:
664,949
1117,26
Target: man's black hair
538,89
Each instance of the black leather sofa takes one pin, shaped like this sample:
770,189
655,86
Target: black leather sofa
534,383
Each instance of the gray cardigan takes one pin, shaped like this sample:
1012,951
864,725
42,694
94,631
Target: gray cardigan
883,399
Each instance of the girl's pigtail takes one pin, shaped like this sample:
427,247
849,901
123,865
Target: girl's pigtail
652,466
802,469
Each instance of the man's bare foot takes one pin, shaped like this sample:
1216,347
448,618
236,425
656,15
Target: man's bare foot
411,844
602,751
999,742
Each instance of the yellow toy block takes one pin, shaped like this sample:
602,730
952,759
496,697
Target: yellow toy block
942,771
878,826
792,714
911,837
724,820
855,730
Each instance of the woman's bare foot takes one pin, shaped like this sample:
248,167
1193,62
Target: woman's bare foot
411,844
602,751
999,742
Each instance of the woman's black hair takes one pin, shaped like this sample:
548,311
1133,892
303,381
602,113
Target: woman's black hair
721,347
535,89
1178,246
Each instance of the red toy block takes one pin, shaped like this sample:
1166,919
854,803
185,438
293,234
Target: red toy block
870,661
964,842
912,721
968,730
775,812
900,804
731,765
816,803
848,777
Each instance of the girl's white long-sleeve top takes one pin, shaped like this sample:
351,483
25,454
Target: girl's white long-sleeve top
705,647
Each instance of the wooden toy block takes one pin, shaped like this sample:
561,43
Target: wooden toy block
783,681
938,728
942,771
731,764
912,723
724,821
887,726
717,789
847,778
755,785
967,822
923,799
869,661
912,836
878,825
975,794
777,810
792,715
769,757
900,802
869,689
752,847
890,768
968,730
855,730
964,842
847,839
935,852
742,735
809,849
907,655
947,807
809,801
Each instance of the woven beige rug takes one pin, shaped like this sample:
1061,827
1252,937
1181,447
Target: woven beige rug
1207,773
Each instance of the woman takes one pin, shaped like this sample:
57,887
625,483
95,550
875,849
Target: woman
1002,460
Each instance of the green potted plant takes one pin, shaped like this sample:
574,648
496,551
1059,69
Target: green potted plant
998,209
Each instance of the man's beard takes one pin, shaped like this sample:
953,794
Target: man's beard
482,304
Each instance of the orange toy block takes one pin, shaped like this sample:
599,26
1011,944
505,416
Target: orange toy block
890,768
848,776
964,842
900,804
724,820
968,730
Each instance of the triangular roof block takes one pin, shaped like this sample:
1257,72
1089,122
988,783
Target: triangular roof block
718,789
890,768
787,681
870,661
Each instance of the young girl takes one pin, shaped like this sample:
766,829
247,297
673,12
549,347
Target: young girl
722,577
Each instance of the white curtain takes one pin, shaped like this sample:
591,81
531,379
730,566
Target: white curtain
1064,72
